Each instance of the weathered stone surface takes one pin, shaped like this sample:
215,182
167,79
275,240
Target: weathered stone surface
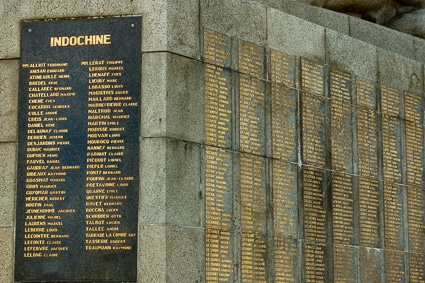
243,18
172,93
411,23
349,54
9,80
323,17
183,183
419,45
154,104
401,15
6,254
185,254
171,253
400,72
170,172
306,39
351,5
382,37
7,183
152,254
153,185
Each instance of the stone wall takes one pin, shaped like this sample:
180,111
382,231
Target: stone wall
279,141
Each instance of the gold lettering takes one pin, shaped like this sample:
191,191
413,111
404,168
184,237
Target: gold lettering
56,41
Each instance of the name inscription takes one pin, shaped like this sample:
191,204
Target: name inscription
78,150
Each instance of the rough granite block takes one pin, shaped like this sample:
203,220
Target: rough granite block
154,24
9,84
183,197
152,254
185,254
172,97
183,28
419,45
7,182
399,72
171,25
336,21
170,182
153,184
351,55
295,36
185,99
383,37
170,253
6,254
242,18
154,91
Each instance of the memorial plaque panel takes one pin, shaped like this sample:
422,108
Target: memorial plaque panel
313,112
253,217
251,99
218,90
342,137
314,226
345,264
367,128
371,262
219,211
79,120
285,220
416,268
343,209
395,262
284,106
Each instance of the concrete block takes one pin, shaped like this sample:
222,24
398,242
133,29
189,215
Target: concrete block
6,254
8,155
152,254
172,97
171,254
295,36
9,84
351,55
153,185
335,21
154,90
170,189
383,37
154,24
184,195
242,18
399,72
185,99
183,28
170,25
185,254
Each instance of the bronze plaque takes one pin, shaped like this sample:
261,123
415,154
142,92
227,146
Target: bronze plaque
78,175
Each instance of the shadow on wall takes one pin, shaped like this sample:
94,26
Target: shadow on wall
407,16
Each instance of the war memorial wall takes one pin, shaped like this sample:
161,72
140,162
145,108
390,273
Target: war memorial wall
225,141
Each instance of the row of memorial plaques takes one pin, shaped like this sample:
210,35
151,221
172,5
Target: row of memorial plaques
358,200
